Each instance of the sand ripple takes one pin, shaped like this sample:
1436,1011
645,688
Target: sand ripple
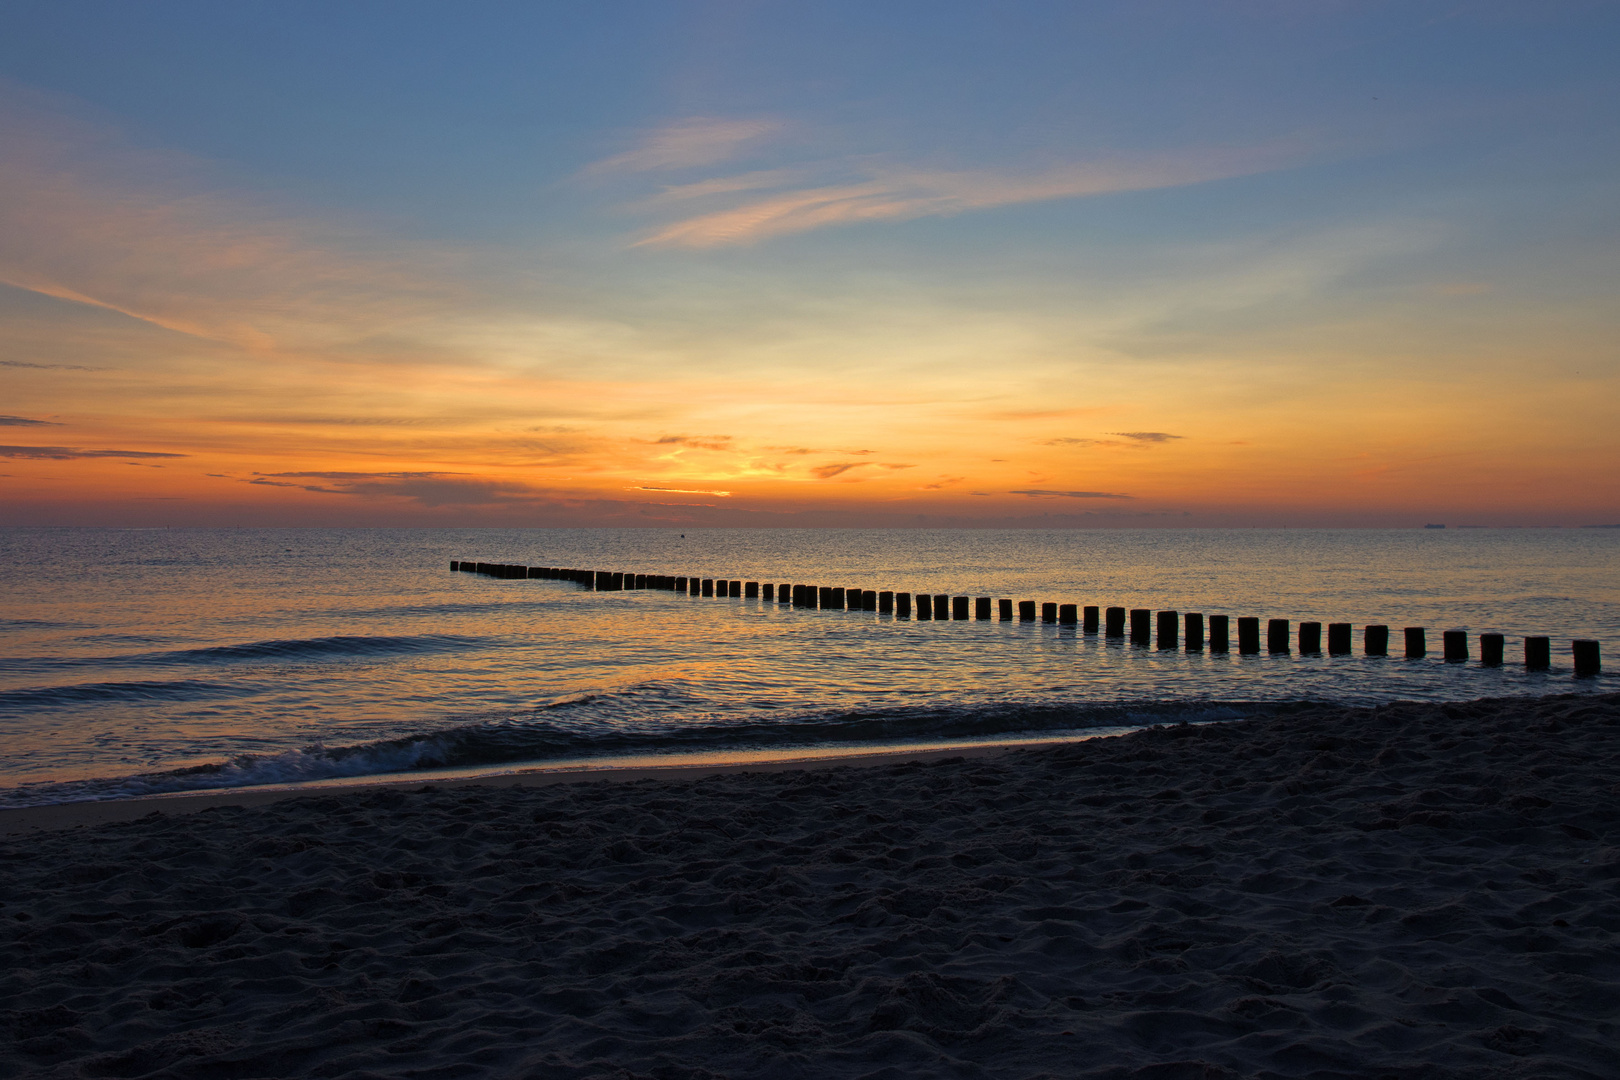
1413,891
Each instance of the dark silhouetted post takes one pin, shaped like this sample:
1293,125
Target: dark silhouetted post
1490,650
1455,643
1219,638
641,581
1194,624
981,608
868,600
1588,662
1169,624
1537,653
1115,626
1141,627
1277,635
737,589
455,565
1088,616
838,601
708,586
1004,610
902,605
751,590
1339,638
1248,635
1375,640
1049,613
925,606
824,597
885,603
1026,611
1417,643
767,591
1310,638
959,607
784,593
1068,614
942,606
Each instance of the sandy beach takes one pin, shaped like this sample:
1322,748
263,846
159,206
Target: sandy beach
1408,891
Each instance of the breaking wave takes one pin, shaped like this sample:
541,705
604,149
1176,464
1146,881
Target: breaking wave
550,735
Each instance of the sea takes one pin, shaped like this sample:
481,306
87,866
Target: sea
136,662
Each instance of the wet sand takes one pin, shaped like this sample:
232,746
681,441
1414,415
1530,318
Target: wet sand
1411,891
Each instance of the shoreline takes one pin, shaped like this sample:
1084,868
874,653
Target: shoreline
22,820
1408,890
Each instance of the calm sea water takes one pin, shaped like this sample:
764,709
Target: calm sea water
138,661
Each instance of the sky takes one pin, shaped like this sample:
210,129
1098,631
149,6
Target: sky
1126,263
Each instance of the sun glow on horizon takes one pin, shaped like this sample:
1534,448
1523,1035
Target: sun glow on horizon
803,320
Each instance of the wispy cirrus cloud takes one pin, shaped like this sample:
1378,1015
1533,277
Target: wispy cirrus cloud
1041,493
1135,440
827,472
699,442
72,453
681,491
423,488
888,193
23,421
45,367
1147,436
697,140
153,235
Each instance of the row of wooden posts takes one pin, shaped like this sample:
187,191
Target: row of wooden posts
1146,628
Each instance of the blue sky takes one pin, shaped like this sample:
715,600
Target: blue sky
1286,219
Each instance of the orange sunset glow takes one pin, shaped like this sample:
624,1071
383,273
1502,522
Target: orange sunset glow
749,315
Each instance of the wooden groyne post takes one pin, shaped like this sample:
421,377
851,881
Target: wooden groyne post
1170,629
1169,624
1588,662
1375,640
1248,635
1417,644
1454,645
1142,627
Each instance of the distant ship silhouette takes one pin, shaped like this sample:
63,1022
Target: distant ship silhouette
1434,526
